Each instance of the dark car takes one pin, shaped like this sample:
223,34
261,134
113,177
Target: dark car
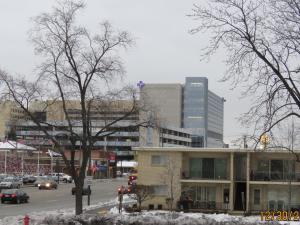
47,184
14,195
85,191
124,190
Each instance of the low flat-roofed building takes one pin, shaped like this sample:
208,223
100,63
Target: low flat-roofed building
220,179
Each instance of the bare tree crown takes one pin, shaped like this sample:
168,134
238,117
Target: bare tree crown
262,43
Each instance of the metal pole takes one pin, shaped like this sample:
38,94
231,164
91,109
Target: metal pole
51,162
38,163
22,163
5,158
89,195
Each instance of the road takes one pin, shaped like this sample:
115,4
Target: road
48,200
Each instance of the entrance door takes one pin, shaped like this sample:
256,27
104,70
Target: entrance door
240,196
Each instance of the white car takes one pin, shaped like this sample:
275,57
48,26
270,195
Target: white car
11,182
62,177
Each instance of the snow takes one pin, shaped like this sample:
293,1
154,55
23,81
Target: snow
66,216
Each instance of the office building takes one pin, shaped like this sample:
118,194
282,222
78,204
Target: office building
190,106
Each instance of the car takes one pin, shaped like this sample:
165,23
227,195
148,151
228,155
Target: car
47,184
41,179
2,176
125,190
14,195
11,182
61,177
67,178
119,173
85,191
28,179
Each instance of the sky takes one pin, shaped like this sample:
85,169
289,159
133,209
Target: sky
164,52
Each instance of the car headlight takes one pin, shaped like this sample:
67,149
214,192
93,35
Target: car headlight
39,185
48,185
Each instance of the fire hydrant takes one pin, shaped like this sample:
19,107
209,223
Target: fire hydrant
26,220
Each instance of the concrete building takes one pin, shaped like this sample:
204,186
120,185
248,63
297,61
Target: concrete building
190,106
10,114
121,142
221,179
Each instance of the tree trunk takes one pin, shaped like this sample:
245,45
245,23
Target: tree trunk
78,199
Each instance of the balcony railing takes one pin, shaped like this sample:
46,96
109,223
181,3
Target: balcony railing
274,176
188,176
204,205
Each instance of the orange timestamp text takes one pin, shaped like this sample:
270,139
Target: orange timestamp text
279,216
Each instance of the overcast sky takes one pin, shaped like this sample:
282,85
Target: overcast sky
164,52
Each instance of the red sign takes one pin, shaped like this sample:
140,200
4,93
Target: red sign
112,157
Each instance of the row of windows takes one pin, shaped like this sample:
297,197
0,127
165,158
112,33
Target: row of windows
175,133
175,142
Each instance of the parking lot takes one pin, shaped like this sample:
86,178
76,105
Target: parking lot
61,198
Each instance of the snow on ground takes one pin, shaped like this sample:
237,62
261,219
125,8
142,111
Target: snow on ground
66,217
36,217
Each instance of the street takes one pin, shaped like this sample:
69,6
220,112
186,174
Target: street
47,200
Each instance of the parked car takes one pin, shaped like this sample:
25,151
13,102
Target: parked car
28,179
47,184
11,182
85,190
2,176
61,177
14,195
67,178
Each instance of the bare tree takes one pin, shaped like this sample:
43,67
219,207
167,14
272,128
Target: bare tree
77,72
261,39
171,175
141,193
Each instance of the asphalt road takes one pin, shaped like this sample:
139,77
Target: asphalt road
48,200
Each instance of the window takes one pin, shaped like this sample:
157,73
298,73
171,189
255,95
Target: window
158,160
149,136
159,190
276,169
221,168
196,167
208,168
256,197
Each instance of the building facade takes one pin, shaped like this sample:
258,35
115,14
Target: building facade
190,106
221,180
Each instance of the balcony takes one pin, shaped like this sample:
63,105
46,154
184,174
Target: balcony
209,176
274,176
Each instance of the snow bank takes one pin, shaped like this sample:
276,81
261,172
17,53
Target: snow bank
153,218
66,217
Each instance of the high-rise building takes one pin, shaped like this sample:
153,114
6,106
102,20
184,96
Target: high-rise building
190,106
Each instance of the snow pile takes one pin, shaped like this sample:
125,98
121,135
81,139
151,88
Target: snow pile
147,218
154,218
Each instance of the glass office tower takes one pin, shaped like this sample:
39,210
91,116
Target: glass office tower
202,113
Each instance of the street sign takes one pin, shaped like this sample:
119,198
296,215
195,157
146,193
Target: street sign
88,180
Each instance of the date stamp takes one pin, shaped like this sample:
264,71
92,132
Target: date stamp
279,216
